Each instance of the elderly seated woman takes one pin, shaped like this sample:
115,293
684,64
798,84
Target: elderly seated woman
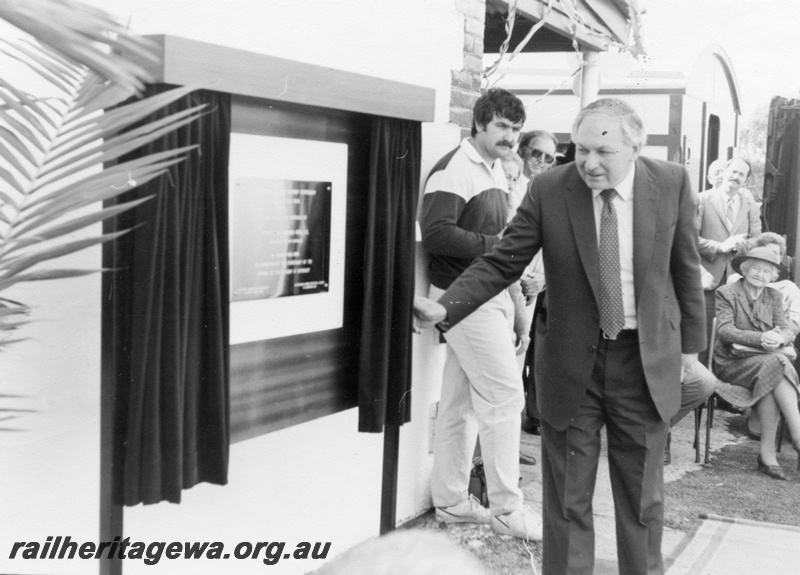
754,350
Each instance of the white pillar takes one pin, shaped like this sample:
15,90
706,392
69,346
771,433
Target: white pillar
590,78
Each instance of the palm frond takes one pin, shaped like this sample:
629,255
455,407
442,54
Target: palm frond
86,36
8,311
58,156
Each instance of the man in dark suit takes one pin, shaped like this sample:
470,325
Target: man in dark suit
624,302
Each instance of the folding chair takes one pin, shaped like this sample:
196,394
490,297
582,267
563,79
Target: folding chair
710,403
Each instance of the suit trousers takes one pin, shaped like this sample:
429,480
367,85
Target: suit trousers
528,379
617,397
697,385
481,393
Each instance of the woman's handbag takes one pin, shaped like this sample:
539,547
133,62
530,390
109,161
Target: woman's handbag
740,350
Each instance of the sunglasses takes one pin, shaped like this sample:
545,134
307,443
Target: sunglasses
542,157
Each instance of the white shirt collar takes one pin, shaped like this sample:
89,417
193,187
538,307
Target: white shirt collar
735,196
625,187
473,154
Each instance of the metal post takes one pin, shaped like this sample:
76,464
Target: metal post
590,77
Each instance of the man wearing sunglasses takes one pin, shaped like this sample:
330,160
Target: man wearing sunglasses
537,149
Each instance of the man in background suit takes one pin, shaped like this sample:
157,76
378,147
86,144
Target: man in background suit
624,301
727,216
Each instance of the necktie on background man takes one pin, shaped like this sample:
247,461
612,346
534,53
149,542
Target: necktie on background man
729,212
612,313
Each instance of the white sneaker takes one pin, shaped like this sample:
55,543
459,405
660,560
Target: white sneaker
522,523
468,511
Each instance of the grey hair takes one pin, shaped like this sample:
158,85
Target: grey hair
633,130
771,238
528,136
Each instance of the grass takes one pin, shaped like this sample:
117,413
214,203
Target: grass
731,485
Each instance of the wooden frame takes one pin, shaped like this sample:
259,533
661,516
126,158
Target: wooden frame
191,62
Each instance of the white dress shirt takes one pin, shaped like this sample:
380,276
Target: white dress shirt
623,204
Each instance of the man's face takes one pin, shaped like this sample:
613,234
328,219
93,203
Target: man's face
759,273
495,139
715,171
542,156
735,174
602,156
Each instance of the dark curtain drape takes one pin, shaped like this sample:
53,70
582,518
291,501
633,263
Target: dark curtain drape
384,378
781,197
169,317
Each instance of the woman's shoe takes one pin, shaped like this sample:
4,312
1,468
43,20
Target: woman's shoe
774,471
796,446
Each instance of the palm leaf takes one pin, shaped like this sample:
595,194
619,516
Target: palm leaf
59,156
86,36
113,148
15,265
70,226
52,274
78,223
9,311
98,187
64,149
11,139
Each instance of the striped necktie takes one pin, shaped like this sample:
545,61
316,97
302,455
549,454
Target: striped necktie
729,211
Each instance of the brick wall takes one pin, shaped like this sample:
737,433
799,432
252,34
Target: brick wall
465,84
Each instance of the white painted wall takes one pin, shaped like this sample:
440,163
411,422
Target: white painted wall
50,461
416,462
319,481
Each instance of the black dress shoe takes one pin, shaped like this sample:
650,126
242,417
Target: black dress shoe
774,471
526,459
531,425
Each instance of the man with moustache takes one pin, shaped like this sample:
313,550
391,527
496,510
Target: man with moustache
623,312
464,210
727,216
537,149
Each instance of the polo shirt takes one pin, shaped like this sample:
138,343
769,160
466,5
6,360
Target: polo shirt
464,210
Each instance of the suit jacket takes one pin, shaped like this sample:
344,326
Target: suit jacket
557,215
714,229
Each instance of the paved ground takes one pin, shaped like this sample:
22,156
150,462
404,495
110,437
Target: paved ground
505,555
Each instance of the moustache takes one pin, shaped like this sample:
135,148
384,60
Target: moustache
505,143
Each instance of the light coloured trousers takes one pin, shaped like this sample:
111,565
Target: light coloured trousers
481,393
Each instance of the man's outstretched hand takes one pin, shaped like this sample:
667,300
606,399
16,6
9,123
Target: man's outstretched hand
427,313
